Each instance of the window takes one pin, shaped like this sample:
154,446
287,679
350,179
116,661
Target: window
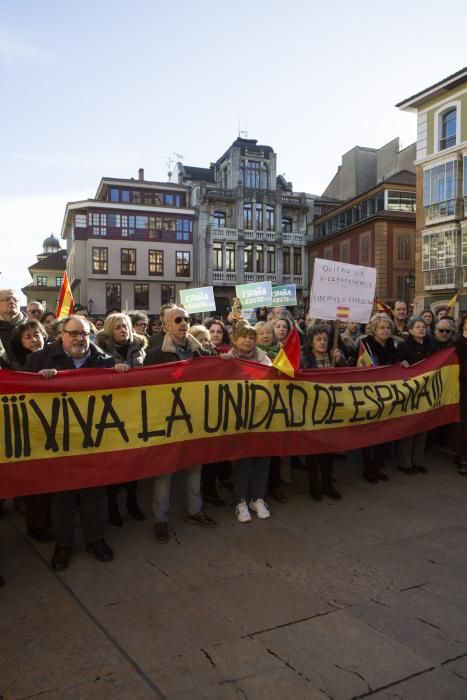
167,294
401,201
439,189
182,263
169,200
230,257
80,221
297,261
184,229
113,296
42,281
254,174
152,227
113,220
344,252
247,217
100,261
264,176
286,224
128,261
271,258
217,257
218,219
125,195
157,199
403,247
141,296
114,195
98,223
156,262
259,217
58,281
327,253
147,197
286,261
270,226
128,226
259,254
136,197
439,250
365,249
448,128
141,222
248,258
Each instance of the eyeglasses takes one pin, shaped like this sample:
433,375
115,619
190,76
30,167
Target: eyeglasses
35,312
179,319
77,334
444,330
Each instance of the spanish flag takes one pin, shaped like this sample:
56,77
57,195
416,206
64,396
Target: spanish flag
382,308
287,359
65,304
453,301
365,358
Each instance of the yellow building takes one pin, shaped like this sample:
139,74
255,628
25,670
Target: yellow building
441,171
47,274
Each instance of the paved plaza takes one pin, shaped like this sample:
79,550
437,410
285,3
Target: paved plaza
362,598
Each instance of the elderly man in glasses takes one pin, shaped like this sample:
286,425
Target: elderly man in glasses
178,344
10,316
75,351
443,336
34,310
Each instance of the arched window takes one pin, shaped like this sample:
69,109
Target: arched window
448,127
270,218
247,216
264,176
218,219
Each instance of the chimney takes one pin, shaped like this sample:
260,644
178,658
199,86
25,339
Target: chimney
141,174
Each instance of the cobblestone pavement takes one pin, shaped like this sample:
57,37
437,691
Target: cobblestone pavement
366,597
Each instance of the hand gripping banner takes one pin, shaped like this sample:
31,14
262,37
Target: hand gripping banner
90,427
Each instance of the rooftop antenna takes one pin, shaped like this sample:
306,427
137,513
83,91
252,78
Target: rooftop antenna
243,133
170,162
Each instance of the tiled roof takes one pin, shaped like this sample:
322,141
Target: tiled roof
403,177
54,261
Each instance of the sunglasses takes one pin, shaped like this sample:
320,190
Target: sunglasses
179,319
444,330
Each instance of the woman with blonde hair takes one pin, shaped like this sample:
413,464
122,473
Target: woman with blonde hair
119,340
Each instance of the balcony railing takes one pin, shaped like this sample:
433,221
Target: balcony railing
294,237
219,193
259,235
224,277
224,234
290,201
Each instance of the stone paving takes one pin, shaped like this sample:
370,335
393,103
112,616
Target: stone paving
362,598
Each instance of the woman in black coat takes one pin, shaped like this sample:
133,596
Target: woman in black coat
417,347
316,353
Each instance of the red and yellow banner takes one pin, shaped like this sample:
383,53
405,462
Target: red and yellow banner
89,427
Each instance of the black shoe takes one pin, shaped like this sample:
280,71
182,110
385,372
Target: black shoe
407,470
380,475
61,557
331,492
101,550
420,468
369,475
161,532
212,498
40,534
135,512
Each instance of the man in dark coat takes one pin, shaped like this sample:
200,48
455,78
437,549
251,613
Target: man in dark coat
10,316
75,351
178,344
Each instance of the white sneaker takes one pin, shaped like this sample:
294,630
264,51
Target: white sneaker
260,508
242,512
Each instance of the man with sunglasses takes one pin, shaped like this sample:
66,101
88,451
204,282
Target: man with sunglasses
75,351
178,344
10,316
443,336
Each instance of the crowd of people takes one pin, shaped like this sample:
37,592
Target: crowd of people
35,341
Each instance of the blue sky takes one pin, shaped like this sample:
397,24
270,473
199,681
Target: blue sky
103,88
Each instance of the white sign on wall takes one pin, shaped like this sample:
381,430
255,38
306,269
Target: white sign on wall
342,291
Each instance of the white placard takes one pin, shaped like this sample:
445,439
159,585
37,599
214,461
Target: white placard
341,291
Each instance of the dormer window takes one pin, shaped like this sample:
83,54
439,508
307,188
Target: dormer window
448,128
254,174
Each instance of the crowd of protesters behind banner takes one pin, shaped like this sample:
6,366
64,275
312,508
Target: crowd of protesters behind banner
36,341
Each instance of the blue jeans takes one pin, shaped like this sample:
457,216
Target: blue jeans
161,493
250,477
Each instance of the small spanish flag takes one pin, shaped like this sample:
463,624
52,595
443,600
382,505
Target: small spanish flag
453,301
382,308
365,358
65,304
287,359
342,313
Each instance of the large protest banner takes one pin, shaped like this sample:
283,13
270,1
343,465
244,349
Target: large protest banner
97,427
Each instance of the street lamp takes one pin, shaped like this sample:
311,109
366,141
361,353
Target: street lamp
410,282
